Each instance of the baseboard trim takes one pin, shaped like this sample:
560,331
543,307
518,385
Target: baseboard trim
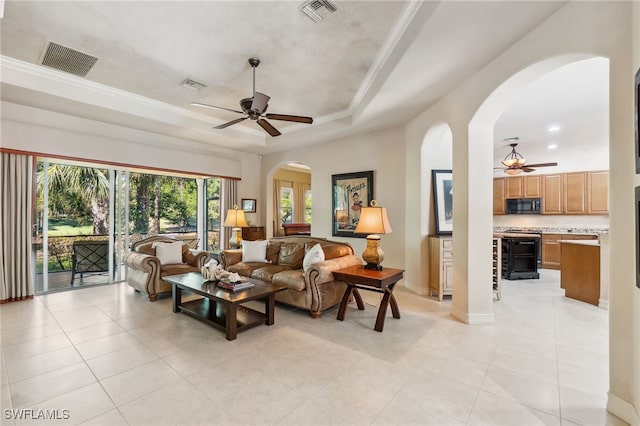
603,304
472,319
622,409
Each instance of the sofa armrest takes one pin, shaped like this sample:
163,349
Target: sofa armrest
230,257
322,272
142,262
195,257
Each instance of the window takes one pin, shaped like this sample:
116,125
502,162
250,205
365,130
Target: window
307,206
286,205
212,191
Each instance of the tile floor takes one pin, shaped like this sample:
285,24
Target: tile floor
110,357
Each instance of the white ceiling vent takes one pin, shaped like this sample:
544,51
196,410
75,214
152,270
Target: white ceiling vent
67,59
311,8
192,84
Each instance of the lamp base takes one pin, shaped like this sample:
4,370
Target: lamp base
235,242
373,266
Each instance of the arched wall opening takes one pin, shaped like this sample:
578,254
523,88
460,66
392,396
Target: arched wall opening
435,154
292,176
472,207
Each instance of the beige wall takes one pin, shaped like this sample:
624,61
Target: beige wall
381,151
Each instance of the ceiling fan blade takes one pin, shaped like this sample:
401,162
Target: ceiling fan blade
259,103
542,165
231,123
527,169
198,104
268,127
295,118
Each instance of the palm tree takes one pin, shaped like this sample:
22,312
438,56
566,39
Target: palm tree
89,184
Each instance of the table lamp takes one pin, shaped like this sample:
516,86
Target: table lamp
373,221
235,219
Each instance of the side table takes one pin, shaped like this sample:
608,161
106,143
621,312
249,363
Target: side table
357,277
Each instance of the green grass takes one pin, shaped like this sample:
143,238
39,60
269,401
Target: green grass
60,230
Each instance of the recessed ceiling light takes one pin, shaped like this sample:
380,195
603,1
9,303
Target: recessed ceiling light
553,129
552,146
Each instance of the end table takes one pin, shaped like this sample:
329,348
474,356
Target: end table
357,277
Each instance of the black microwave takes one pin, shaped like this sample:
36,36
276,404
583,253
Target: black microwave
523,206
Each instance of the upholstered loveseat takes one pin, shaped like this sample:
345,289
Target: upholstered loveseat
146,269
313,289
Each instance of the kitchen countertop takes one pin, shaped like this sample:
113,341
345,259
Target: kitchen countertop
514,235
581,242
549,230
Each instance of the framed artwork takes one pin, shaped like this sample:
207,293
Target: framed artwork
351,192
636,115
637,236
443,200
249,205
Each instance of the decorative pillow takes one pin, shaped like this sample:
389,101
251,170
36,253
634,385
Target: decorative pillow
315,255
291,254
169,253
254,251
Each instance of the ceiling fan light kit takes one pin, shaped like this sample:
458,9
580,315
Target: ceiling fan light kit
255,108
515,162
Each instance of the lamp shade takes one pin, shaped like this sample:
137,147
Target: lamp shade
513,171
235,218
373,220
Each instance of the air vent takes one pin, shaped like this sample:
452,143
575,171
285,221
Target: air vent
68,60
311,8
192,84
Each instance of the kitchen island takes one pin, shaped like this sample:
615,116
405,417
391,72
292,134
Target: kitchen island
580,270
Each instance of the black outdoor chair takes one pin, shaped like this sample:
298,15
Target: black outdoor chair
89,256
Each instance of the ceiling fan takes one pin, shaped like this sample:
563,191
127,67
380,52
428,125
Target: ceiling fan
515,163
255,108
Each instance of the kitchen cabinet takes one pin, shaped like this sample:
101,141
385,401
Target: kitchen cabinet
552,198
499,205
598,190
575,193
580,271
497,267
532,186
551,252
440,266
253,233
514,187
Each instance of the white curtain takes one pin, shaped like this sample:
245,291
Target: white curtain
229,199
299,195
16,183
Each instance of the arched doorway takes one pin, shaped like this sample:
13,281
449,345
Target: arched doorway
289,201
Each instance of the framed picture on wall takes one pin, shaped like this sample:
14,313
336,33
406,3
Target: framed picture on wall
351,192
249,205
636,115
443,200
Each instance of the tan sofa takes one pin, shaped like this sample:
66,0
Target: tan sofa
314,290
144,271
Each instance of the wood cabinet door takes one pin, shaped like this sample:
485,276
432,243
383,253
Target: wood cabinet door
551,251
447,277
552,199
532,186
514,187
498,196
598,191
575,193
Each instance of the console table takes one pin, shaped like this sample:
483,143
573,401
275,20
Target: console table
357,277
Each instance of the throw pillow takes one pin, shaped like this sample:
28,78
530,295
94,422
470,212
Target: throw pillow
169,253
315,255
254,251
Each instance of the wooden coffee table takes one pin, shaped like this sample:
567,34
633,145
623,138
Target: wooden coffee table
221,308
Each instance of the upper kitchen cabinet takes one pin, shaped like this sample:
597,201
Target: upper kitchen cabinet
598,190
575,193
552,199
499,196
514,187
532,186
